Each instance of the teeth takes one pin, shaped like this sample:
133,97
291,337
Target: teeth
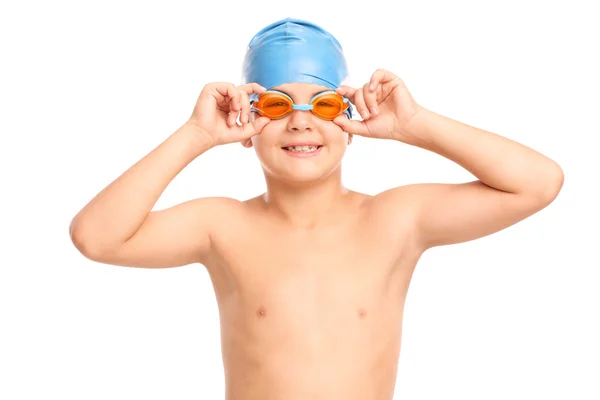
302,148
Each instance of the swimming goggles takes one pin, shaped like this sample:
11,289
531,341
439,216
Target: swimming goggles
274,104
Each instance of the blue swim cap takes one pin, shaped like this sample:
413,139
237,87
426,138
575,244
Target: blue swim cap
293,50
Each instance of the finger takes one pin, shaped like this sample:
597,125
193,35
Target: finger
346,91
244,115
380,77
231,101
254,128
359,102
247,89
229,92
252,87
352,126
236,107
370,99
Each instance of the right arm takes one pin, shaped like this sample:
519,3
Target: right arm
117,226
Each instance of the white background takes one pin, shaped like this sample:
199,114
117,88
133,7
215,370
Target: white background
89,88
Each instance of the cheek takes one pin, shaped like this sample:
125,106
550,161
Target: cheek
335,135
268,137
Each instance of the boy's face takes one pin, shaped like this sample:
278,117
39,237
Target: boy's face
299,126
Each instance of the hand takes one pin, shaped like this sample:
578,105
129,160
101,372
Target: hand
217,109
384,103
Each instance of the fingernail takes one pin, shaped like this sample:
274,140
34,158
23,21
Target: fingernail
246,118
374,110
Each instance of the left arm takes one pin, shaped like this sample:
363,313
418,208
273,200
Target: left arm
514,182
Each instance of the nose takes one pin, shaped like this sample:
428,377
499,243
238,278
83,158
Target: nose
300,121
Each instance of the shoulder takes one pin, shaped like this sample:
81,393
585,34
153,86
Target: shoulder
212,212
218,217
399,201
212,205
227,211
397,210
409,201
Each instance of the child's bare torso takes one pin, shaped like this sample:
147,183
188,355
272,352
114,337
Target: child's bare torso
312,314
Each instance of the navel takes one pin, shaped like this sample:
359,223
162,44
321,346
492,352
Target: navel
261,312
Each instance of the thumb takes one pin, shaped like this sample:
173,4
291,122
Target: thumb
351,126
256,126
260,123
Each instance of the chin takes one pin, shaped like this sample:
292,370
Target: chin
302,174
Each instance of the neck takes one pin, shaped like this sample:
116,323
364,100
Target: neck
306,204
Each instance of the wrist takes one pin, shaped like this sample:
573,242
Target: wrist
413,131
199,140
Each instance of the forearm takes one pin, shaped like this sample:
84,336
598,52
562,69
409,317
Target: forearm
495,160
118,211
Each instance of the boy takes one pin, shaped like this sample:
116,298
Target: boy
311,277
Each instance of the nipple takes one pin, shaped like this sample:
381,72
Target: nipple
362,313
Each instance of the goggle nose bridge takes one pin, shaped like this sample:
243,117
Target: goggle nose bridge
302,106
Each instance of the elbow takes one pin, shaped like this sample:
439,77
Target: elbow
551,185
555,183
86,244
83,245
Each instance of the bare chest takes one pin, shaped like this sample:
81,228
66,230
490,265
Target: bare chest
354,272
302,312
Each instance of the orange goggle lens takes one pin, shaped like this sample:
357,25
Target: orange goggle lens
275,105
